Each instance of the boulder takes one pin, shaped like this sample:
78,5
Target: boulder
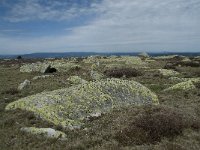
35,67
49,67
76,80
183,86
70,106
168,73
46,132
24,84
176,79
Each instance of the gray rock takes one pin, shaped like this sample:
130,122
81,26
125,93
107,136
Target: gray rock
24,84
35,67
46,132
42,77
70,106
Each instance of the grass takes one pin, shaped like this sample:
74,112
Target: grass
172,125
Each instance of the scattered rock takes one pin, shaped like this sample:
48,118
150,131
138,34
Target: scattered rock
46,132
76,80
24,84
93,116
114,60
69,107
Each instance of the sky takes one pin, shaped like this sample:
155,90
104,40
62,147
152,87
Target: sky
29,26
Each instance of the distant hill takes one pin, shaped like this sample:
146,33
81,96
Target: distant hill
85,54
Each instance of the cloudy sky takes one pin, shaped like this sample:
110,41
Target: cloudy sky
28,26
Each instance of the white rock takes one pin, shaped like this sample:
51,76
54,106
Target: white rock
24,84
46,132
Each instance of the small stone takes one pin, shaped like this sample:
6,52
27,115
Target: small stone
26,83
42,77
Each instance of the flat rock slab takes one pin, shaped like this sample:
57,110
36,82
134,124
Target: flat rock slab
69,107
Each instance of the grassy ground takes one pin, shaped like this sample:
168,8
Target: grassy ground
175,124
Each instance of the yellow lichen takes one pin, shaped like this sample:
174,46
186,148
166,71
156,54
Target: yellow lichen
68,107
185,86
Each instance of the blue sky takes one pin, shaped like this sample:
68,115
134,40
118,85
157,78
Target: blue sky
28,26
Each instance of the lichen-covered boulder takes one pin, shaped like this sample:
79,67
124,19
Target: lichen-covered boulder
186,59
45,67
183,86
76,80
24,84
69,107
176,79
63,66
165,57
35,67
168,73
46,132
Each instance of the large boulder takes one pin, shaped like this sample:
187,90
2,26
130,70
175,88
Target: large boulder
70,106
183,86
35,67
49,66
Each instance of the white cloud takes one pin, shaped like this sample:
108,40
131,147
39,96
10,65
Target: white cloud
54,10
126,25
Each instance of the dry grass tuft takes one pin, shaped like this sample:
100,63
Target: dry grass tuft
11,91
120,72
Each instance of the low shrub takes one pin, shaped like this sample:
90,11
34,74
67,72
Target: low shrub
120,72
190,64
170,66
11,91
155,124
